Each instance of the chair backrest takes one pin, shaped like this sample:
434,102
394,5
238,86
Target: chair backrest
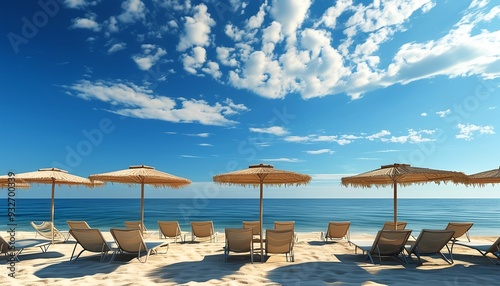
495,247
279,240
239,239
90,239
389,225
460,228
338,229
431,241
284,225
4,245
202,228
390,242
45,229
169,228
77,224
135,225
254,225
129,240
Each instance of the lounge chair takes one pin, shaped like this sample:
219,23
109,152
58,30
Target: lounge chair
337,230
386,243
138,225
21,244
254,225
460,229
280,241
45,230
238,240
77,224
91,239
484,247
389,225
203,229
431,242
286,225
132,241
170,229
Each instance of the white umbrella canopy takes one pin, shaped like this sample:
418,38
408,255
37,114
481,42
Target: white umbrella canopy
51,176
404,175
143,175
259,175
486,177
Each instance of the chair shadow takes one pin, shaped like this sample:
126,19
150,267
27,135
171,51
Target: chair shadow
211,267
84,266
37,255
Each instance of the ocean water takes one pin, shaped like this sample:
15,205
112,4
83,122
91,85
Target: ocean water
365,215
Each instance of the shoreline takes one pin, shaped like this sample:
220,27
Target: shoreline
316,263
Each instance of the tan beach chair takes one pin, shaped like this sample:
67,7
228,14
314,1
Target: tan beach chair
338,230
254,225
91,239
389,225
287,225
170,229
77,224
203,229
460,229
45,230
22,244
238,240
431,242
280,241
386,243
484,247
132,241
138,225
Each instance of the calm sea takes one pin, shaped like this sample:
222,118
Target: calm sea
366,215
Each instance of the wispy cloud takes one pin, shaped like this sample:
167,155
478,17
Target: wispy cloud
86,23
443,113
205,145
320,151
203,135
288,160
275,130
117,47
467,131
151,54
133,11
130,100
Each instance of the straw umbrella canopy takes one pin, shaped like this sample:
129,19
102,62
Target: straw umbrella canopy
259,175
143,175
486,177
50,176
403,175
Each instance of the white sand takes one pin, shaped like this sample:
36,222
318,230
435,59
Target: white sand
316,263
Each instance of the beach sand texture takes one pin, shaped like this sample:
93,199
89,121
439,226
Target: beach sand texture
316,263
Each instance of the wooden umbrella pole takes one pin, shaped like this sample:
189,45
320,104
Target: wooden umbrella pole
52,209
260,222
395,205
142,207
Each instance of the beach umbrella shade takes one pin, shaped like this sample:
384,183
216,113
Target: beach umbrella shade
258,176
143,175
402,175
486,177
50,176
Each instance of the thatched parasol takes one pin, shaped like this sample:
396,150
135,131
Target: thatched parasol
143,175
259,175
486,177
52,176
404,175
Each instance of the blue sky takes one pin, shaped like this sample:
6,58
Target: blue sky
198,88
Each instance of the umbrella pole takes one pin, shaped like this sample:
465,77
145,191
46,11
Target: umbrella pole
142,207
260,224
52,210
395,206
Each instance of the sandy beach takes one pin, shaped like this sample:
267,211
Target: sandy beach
316,263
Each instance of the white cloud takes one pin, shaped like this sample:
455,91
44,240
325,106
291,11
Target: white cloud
290,14
275,130
205,145
133,11
212,68
320,151
413,137
196,29
86,23
128,99
288,160
423,114
297,139
117,47
443,113
195,60
202,135
112,25
466,132
151,54
378,135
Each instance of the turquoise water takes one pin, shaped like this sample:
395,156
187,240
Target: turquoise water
366,215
